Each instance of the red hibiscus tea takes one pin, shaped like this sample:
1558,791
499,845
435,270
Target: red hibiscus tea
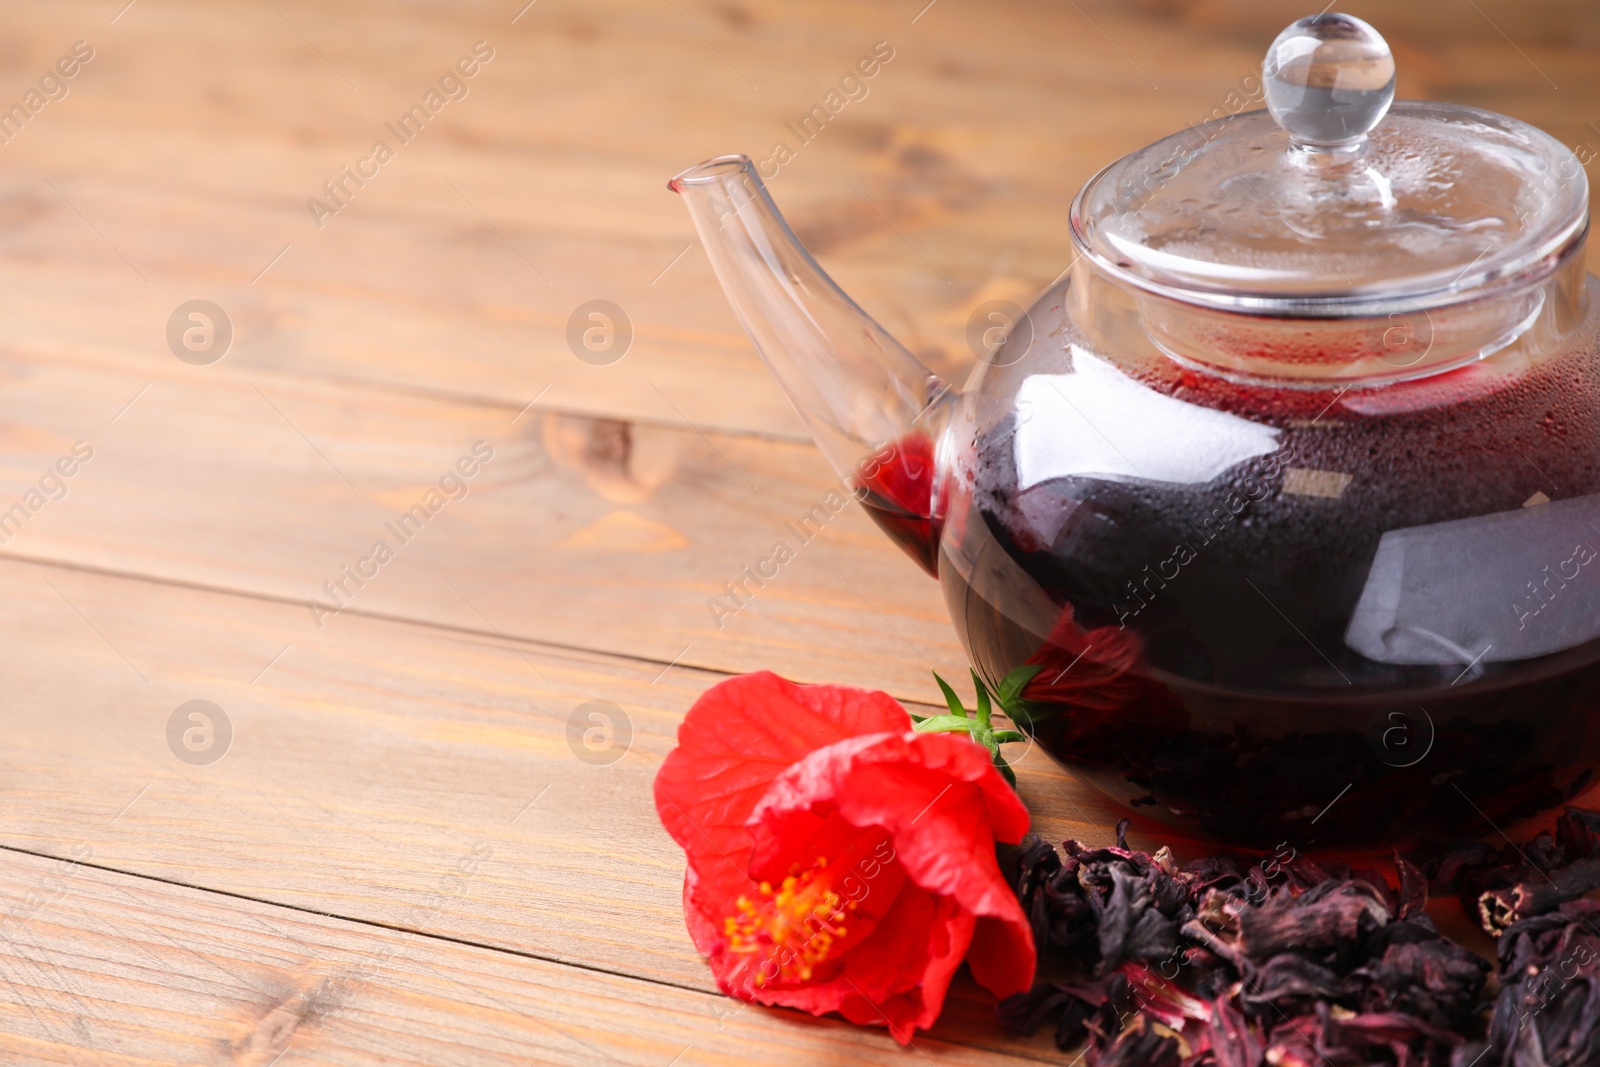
895,485
1290,650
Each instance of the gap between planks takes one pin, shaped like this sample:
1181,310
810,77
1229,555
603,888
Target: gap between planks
405,620
275,990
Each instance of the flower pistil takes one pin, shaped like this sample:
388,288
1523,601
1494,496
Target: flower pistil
796,926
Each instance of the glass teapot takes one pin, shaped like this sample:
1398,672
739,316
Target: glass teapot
1289,488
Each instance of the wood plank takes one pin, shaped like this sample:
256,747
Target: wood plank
364,776
985,124
372,755
598,533
363,765
98,967
415,780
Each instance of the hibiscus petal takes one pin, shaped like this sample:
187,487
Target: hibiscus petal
997,944
943,805
738,737
934,932
920,980
920,932
868,888
705,927
897,978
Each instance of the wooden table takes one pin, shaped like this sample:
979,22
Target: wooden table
388,849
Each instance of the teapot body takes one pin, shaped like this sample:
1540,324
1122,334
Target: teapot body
1289,494
1298,609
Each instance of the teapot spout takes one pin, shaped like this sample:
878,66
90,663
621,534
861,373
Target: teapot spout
874,410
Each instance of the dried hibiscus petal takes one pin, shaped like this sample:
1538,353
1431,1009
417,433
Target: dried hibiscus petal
1333,915
1230,966
1075,1006
1288,983
1142,1043
1435,980
1336,1037
1499,908
1413,888
1293,962
1501,887
1548,1011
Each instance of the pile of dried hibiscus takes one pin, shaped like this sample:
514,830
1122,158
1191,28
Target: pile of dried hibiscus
1287,962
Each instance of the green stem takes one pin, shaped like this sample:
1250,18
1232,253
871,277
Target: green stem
979,725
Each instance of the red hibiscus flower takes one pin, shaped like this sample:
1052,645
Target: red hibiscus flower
837,860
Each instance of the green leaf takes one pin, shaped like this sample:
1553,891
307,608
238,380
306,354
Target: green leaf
950,698
942,724
1005,771
1012,685
977,725
1022,712
984,709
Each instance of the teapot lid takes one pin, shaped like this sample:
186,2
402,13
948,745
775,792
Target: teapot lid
1330,202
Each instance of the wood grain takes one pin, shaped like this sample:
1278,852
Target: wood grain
374,753
364,765
457,268
600,534
102,968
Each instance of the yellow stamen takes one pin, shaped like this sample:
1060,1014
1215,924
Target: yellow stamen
793,928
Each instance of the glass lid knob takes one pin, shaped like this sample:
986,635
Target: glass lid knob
1329,80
